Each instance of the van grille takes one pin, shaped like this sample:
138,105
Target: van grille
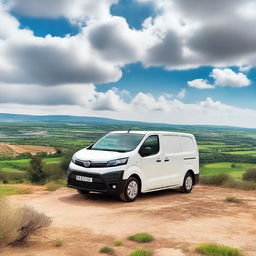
92,164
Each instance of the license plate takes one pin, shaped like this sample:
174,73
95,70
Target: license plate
83,178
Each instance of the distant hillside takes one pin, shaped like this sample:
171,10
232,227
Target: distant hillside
14,118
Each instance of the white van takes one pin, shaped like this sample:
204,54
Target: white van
127,163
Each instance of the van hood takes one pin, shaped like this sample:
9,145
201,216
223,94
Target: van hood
99,155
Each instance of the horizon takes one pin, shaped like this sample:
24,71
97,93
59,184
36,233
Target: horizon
152,61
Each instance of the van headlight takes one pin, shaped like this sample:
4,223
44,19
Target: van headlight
116,162
73,160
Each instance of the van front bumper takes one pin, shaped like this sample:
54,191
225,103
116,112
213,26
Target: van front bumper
111,182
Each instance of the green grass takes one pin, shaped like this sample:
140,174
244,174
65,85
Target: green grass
142,237
217,250
245,152
59,243
118,243
6,191
141,252
225,167
53,186
107,250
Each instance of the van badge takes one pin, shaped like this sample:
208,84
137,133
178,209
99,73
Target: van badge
87,163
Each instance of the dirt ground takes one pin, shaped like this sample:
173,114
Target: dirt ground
178,221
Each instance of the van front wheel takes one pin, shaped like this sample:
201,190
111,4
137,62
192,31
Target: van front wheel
130,190
188,183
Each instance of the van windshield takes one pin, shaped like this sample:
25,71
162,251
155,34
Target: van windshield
121,142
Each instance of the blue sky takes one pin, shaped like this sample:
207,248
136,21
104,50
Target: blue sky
132,54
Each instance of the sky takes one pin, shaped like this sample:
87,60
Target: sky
168,61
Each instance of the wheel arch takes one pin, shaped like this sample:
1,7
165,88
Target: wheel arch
139,180
192,173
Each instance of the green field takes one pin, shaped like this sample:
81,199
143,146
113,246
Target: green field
217,168
22,164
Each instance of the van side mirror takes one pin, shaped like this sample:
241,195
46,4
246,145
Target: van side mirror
146,151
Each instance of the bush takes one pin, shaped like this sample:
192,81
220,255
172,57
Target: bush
217,250
141,252
250,174
64,164
233,165
107,250
217,180
17,224
35,171
245,185
12,177
232,199
142,237
53,172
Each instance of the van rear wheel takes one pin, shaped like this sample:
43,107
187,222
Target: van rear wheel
187,183
130,190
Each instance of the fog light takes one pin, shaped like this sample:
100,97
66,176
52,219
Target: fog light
114,186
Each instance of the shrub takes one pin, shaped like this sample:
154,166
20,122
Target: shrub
118,242
217,250
58,243
217,180
232,199
250,174
142,237
64,164
233,165
245,185
107,250
141,252
53,172
12,177
35,171
17,224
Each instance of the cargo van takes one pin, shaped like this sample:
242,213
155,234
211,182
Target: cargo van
128,163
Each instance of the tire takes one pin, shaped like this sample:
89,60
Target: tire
83,192
130,190
187,183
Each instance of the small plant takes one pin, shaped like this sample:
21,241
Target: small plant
17,224
217,250
142,237
233,165
59,243
118,242
141,252
107,250
232,199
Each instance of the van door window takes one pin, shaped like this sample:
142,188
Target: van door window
151,142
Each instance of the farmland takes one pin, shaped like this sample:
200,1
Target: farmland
219,147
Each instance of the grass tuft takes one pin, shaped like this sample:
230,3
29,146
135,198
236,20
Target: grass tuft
53,186
232,199
142,237
118,242
59,243
217,250
107,250
141,252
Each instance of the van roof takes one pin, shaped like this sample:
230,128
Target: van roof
158,132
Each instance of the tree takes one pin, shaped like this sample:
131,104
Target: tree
66,158
250,174
35,170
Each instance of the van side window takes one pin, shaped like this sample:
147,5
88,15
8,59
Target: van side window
153,142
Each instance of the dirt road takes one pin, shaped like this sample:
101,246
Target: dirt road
178,221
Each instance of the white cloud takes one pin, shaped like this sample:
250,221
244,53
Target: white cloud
227,77
200,84
181,94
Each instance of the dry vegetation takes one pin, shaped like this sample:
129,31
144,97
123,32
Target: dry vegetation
17,224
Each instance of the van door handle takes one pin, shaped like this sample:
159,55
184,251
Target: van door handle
166,160
158,160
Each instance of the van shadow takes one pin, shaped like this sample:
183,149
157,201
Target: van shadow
106,200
